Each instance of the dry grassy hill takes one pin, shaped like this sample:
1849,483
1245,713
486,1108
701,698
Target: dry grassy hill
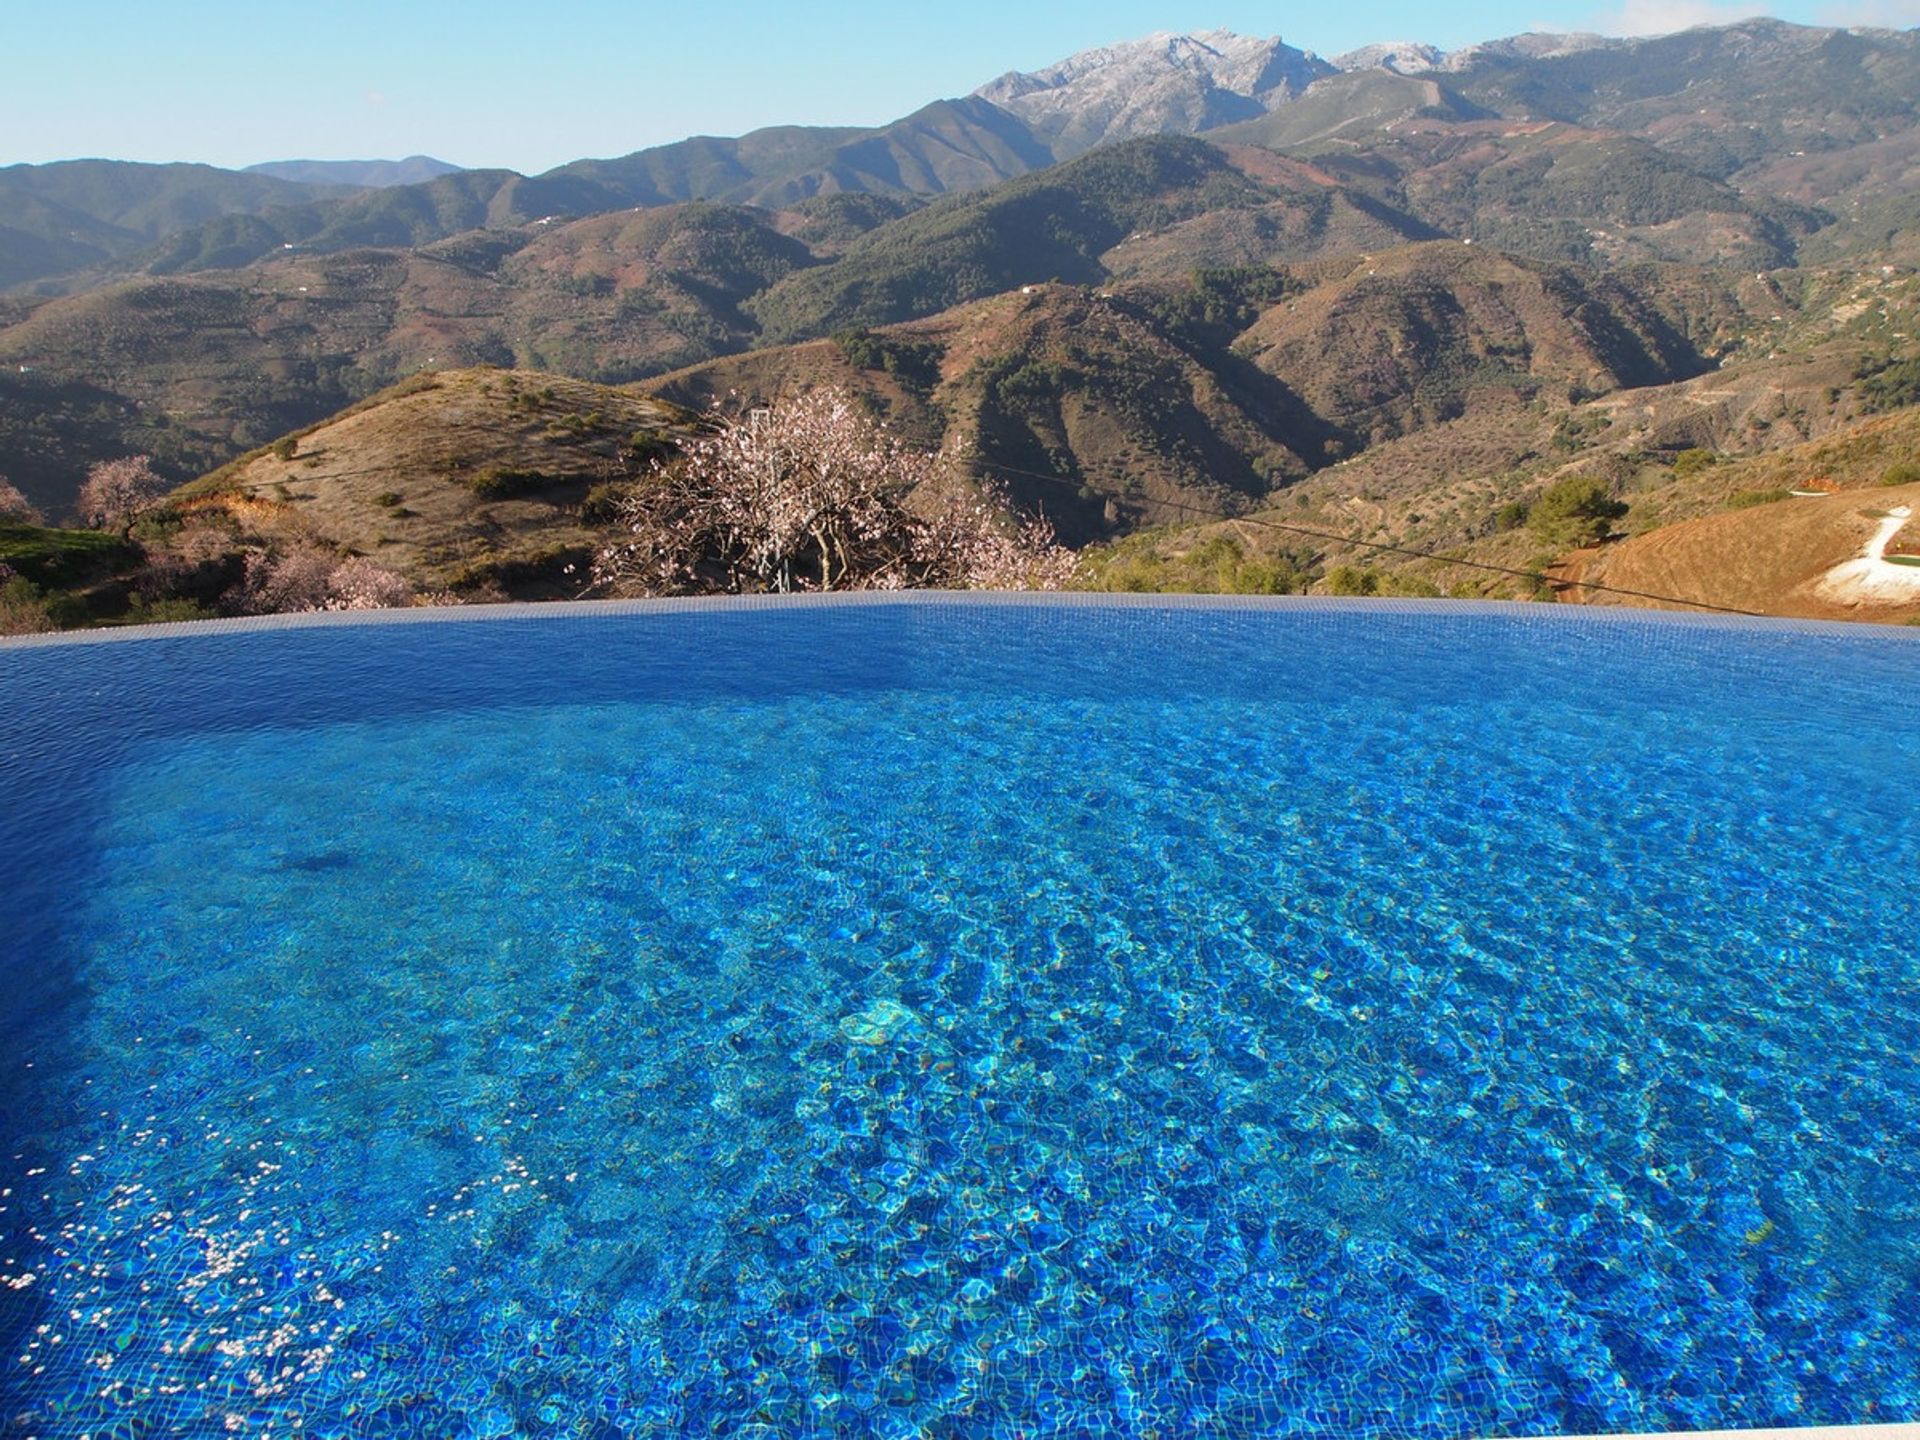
463,480
1776,559
1772,551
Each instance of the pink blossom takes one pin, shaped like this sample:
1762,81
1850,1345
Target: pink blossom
116,492
812,494
16,507
307,576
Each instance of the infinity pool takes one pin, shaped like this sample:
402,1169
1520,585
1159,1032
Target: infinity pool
961,1019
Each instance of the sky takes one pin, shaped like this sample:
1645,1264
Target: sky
533,85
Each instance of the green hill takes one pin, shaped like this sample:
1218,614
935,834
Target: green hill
946,146
1051,226
84,214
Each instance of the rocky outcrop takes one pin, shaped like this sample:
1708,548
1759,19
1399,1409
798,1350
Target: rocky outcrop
1164,84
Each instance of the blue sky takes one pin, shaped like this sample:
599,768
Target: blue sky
533,85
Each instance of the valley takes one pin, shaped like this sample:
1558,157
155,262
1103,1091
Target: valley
1174,295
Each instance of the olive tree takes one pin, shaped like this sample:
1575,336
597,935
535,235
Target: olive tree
1575,511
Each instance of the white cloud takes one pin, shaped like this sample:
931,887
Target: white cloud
1887,14
1664,17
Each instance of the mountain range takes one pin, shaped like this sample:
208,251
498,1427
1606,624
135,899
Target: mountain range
361,174
1188,272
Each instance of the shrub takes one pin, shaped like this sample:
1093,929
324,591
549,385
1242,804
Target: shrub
1413,586
1219,565
286,447
22,609
15,507
1511,516
602,505
1747,499
1905,473
498,482
1691,462
1353,580
1889,384
1574,431
1575,511
387,499
142,611
644,447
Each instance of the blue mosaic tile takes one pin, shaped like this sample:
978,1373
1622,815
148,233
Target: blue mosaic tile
961,1021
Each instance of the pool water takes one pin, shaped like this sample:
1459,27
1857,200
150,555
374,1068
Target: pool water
961,1020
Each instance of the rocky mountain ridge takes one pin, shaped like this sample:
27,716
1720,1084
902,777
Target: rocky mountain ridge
1165,84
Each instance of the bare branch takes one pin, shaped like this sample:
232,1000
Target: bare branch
812,494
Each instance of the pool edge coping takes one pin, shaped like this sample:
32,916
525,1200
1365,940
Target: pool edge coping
982,599
1880,1430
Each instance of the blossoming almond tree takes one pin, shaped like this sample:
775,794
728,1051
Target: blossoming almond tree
310,577
15,507
811,494
116,492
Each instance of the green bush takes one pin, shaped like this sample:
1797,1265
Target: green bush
1412,586
498,482
1691,462
23,610
387,499
602,505
1511,516
1746,499
1575,511
914,363
1353,580
286,447
26,609
142,611
1889,384
1905,473
1217,566
644,447
1573,431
